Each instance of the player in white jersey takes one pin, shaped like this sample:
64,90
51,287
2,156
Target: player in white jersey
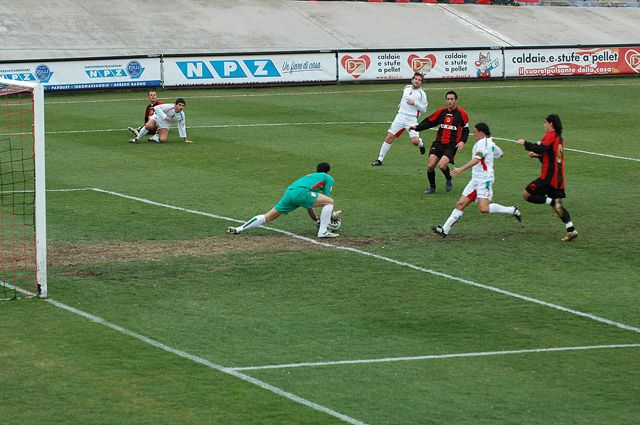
480,188
413,103
163,116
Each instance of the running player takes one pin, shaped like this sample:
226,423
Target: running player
453,132
413,103
480,188
549,187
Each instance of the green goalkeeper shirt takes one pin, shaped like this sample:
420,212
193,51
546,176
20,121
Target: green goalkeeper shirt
315,182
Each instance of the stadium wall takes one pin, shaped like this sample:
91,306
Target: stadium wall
326,67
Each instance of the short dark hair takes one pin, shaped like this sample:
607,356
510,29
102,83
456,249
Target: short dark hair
323,167
181,100
483,127
453,93
416,74
554,119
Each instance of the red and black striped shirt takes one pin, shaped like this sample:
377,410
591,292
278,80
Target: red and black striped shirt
551,151
454,125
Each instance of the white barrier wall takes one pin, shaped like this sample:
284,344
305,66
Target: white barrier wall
87,73
250,69
328,67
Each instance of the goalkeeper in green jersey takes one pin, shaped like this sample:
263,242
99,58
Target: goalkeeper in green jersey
312,190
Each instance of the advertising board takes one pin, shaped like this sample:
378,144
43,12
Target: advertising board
250,69
87,73
437,64
571,61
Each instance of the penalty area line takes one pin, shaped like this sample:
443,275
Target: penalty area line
393,261
193,358
436,356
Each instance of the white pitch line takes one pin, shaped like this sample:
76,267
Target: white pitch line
435,356
393,261
296,124
283,124
585,152
347,92
193,358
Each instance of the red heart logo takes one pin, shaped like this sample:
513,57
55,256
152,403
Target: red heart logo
423,65
633,60
355,66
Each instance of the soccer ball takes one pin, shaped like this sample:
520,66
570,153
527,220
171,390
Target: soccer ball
334,224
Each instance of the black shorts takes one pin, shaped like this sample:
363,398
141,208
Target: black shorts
449,150
539,187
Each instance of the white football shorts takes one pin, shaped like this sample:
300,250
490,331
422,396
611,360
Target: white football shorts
401,123
161,123
478,189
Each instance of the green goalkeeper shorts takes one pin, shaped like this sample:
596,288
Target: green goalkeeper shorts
294,198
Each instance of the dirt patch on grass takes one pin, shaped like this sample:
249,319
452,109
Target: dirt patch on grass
77,254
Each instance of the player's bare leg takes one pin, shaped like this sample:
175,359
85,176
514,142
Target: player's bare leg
161,136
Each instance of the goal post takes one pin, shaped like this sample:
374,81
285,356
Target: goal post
23,226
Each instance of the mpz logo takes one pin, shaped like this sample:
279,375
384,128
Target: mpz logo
422,64
229,68
355,66
133,69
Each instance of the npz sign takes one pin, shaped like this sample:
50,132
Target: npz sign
133,69
200,70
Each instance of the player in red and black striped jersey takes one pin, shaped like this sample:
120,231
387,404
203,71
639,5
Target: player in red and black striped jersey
153,101
549,187
452,134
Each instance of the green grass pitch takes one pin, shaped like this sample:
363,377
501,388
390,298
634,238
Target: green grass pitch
163,318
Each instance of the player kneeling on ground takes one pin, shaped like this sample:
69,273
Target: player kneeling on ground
480,188
310,191
163,116
148,112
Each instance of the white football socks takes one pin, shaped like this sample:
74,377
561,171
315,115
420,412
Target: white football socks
325,217
456,214
141,133
256,221
500,209
384,149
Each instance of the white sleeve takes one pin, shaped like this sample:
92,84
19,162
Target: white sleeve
421,105
182,126
160,112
